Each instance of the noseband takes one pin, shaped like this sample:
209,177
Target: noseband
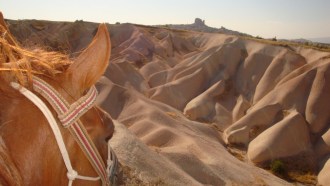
69,117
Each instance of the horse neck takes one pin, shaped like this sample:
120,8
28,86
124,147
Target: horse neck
28,140
9,172
32,146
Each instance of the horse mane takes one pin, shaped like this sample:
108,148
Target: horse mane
20,64
9,174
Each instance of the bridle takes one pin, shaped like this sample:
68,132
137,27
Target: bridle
69,115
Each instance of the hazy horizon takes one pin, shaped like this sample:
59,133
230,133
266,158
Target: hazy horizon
281,18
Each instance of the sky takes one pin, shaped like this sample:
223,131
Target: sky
289,19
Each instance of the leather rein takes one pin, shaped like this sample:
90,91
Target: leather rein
69,115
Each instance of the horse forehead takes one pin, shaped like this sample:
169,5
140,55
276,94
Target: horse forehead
66,90
64,87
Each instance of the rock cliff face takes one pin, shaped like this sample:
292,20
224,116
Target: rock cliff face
182,99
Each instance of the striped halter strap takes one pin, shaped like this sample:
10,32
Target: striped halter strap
69,115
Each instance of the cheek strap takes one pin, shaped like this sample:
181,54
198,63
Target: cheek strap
69,116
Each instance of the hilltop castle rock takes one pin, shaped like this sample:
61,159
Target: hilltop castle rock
199,22
200,26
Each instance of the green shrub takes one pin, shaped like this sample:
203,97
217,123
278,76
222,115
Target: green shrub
277,167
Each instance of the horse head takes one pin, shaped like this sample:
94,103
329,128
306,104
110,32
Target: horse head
29,152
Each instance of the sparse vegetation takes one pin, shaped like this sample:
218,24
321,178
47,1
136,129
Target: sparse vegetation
303,177
278,167
296,169
290,44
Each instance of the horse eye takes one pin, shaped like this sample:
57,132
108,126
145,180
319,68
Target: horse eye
108,138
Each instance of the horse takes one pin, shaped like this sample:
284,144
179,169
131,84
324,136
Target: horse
51,131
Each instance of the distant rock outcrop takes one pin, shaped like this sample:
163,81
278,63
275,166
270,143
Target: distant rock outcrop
200,26
199,22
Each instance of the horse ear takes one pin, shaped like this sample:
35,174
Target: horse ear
2,21
92,62
4,31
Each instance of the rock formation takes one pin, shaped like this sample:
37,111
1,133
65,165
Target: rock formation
199,22
180,98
